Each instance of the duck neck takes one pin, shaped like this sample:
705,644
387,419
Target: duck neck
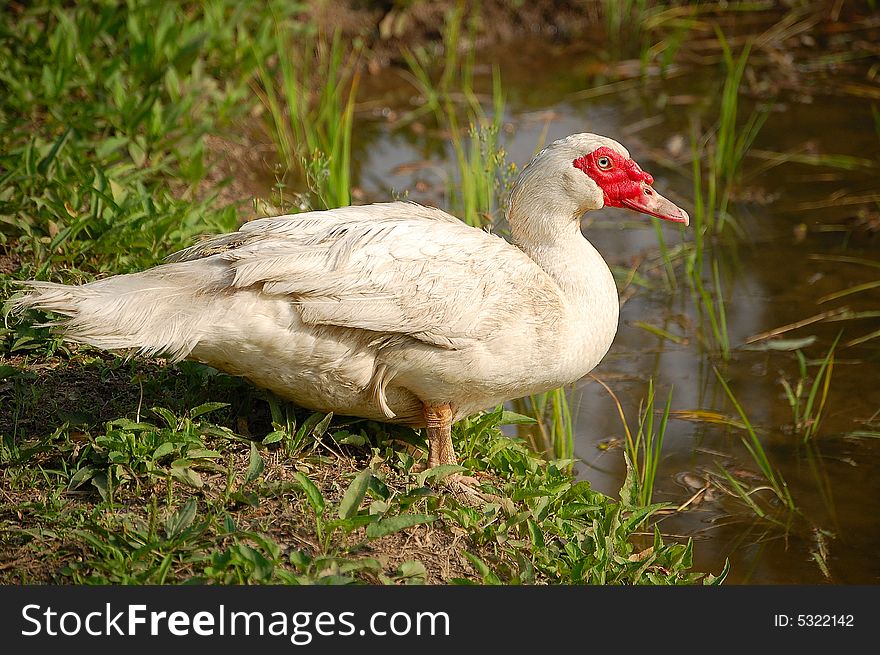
550,235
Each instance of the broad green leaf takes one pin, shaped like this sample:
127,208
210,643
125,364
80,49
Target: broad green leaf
82,475
169,418
202,453
535,534
412,572
629,492
489,576
99,482
7,371
321,427
354,495
274,437
349,524
204,408
187,476
255,465
164,448
347,438
312,493
392,524
180,520
512,418
132,426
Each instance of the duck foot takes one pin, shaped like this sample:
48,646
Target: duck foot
466,489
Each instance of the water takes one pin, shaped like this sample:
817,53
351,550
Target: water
769,278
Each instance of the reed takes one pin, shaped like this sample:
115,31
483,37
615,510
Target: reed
643,445
732,141
708,302
807,399
644,449
553,433
725,147
483,174
310,97
102,106
756,450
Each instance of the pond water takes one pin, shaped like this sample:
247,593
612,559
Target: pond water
771,278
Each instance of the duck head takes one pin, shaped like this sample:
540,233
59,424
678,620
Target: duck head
624,184
583,172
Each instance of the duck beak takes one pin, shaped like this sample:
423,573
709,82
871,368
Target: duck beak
652,203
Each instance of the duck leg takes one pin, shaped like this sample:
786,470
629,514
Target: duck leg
439,424
438,419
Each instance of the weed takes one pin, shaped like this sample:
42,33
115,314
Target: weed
759,456
807,400
623,23
312,114
482,172
726,150
642,450
732,141
710,306
545,528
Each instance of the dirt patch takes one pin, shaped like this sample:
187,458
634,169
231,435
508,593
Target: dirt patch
388,27
9,262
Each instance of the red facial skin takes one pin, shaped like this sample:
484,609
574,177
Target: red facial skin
626,185
621,181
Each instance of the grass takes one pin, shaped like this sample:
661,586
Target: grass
311,112
732,140
135,472
756,450
449,96
725,149
483,173
643,448
807,399
554,432
104,106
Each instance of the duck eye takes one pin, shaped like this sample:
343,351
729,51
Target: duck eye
604,163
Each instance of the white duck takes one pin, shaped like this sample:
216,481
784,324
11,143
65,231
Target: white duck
393,311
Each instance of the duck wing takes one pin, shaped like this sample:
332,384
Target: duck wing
397,268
